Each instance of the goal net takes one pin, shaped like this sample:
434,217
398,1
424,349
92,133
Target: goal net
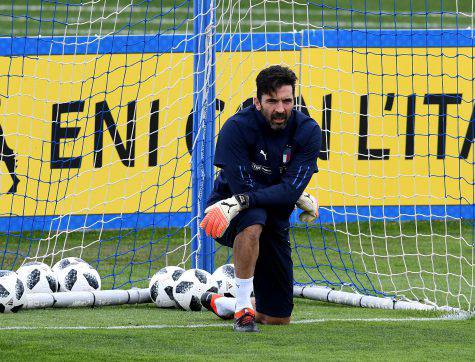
109,111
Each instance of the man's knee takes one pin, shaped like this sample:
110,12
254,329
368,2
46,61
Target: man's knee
251,233
265,319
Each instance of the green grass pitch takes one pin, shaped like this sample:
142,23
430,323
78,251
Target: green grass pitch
144,332
336,333
135,17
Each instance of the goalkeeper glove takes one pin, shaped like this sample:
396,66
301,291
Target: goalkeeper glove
309,205
219,215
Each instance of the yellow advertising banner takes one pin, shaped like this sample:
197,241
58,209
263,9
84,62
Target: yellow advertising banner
423,132
108,134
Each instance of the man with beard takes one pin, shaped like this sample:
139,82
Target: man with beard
267,155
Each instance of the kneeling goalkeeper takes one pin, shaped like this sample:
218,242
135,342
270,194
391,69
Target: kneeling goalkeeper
267,155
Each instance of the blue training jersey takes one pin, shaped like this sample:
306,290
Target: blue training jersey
272,167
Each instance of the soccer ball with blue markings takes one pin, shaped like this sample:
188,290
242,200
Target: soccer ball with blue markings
12,292
64,263
161,286
224,276
80,277
190,286
38,277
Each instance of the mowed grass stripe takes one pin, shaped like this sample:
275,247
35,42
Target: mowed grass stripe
31,10
228,324
123,18
333,339
389,341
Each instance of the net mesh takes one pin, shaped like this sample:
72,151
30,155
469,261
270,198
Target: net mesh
96,102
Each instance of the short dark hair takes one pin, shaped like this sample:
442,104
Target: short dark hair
270,79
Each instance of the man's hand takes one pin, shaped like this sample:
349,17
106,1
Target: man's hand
219,215
309,205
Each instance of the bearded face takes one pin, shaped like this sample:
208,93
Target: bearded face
276,107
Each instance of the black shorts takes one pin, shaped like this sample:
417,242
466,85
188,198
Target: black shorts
273,276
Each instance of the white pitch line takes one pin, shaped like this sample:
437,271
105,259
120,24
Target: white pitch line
224,324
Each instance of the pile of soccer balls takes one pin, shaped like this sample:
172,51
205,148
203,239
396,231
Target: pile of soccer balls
170,287
67,275
173,287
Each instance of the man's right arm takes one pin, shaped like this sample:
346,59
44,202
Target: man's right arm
232,155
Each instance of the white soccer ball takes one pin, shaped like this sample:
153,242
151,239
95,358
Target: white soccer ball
224,276
63,263
79,277
12,292
190,286
161,286
37,277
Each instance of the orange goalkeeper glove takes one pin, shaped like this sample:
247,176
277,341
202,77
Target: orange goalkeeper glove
219,215
309,205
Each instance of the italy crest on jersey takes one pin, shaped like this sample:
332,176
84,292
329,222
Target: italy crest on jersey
286,155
